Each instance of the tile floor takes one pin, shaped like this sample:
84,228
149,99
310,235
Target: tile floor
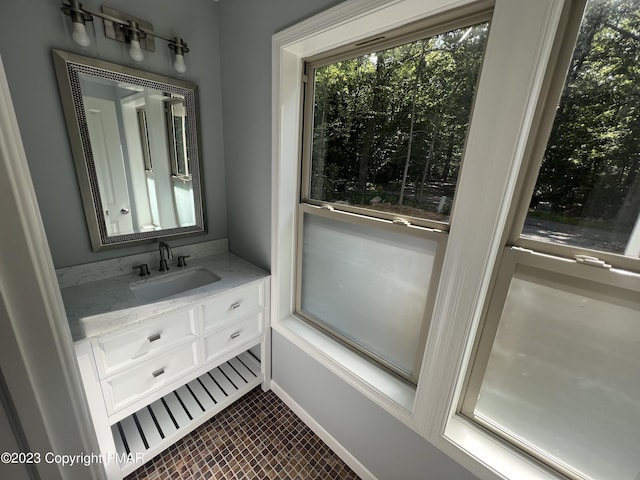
258,437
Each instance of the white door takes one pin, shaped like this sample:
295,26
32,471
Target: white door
9,443
37,358
102,122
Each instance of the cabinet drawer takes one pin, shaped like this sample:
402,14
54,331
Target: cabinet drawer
133,383
127,348
232,335
233,304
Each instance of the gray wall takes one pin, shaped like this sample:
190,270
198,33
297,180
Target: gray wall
246,27
385,446
29,29
388,448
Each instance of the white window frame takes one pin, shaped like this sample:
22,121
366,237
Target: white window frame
546,256
519,50
427,229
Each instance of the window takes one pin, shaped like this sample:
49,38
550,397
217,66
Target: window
587,194
181,175
555,368
384,136
527,41
388,126
177,138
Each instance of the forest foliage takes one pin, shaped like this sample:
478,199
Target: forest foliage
390,126
591,166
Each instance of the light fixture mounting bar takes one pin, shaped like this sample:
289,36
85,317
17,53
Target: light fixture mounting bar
113,30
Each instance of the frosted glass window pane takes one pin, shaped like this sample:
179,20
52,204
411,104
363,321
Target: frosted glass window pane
367,284
564,372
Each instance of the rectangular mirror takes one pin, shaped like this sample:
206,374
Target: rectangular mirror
135,143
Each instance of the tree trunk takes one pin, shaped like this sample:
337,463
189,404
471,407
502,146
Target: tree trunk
447,163
318,174
425,171
408,159
411,124
630,207
372,121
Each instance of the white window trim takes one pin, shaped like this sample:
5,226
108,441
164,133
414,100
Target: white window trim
519,48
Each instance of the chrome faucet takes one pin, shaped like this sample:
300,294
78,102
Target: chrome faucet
164,247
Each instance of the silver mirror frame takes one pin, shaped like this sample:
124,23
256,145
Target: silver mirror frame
68,66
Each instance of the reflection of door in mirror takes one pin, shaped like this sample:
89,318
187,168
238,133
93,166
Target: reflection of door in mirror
105,141
136,167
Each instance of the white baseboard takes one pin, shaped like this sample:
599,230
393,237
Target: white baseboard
325,436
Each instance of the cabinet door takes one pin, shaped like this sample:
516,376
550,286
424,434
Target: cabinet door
129,347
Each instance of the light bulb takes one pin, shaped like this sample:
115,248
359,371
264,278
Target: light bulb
135,52
178,63
79,34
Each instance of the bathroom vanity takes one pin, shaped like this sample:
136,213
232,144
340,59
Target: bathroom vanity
155,370
159,355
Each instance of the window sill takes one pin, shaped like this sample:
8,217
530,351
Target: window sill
486,456
389,392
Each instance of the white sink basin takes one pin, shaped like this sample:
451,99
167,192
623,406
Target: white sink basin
169,284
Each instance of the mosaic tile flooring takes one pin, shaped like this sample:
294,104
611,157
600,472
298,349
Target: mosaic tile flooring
258,437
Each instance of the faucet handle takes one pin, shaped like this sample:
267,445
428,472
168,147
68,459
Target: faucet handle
144,269
182,260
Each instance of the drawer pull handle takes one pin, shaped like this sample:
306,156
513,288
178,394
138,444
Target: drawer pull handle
157,373
235,306
154,337
235,335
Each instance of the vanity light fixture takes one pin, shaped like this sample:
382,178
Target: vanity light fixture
137,33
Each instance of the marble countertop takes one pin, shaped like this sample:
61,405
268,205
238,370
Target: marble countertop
103,306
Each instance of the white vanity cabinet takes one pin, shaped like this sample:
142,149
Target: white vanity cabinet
151,383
